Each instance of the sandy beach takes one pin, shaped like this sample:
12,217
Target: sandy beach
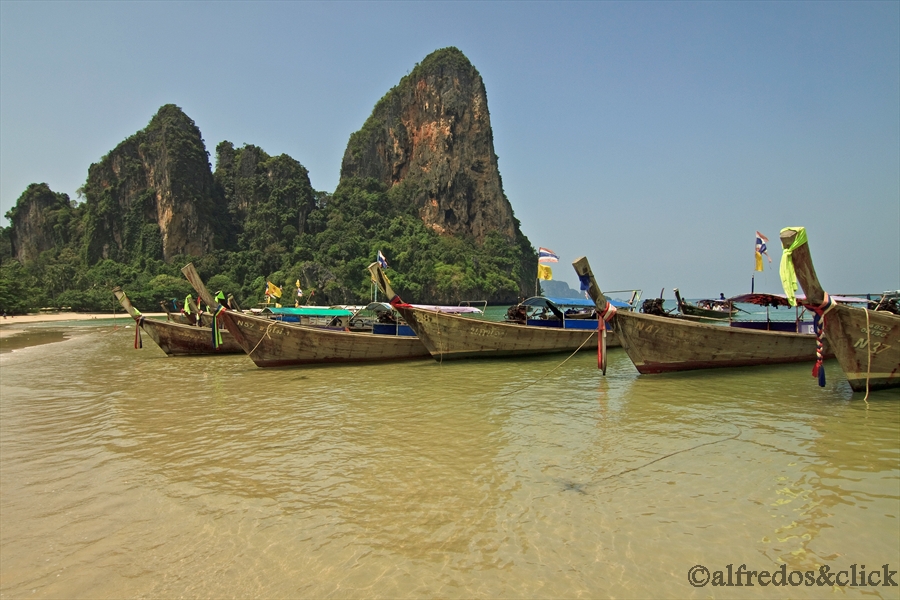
13,324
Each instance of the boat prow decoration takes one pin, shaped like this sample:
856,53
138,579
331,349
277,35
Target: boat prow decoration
865,342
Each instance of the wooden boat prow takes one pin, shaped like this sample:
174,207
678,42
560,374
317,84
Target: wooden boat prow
176,339
865,342
661,344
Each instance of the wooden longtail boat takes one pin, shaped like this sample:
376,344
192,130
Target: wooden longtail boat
865,342
719,310
277,344
450,336
662,344
176,339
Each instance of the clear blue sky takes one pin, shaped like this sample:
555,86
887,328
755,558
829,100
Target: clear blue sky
655,138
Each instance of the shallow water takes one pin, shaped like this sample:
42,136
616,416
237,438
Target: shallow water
127,473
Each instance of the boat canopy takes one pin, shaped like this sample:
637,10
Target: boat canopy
776,300
384,307
376,307
308,311
457,310
546,301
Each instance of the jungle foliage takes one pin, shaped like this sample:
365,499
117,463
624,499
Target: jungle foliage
256,218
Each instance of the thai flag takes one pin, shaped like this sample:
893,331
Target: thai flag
761,241
382,260
545,255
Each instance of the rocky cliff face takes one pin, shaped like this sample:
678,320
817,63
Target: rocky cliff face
153,195
269,197
432,134
41,220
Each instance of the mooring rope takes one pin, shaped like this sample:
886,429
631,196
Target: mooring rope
587,339
262,337
671,454
869,354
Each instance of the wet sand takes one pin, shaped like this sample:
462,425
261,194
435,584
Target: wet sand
14,325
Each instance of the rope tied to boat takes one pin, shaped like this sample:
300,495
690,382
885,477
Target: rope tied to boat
262,337
608,313
819,313
577,350
396,302
869,355
216,334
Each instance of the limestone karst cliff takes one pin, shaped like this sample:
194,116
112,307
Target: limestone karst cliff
153,194
41,220
431,133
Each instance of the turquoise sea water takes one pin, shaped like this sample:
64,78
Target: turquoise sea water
127,473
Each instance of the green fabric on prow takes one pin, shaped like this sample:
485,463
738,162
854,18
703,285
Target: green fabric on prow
788,275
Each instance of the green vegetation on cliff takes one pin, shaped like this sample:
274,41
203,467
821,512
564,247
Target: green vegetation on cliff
342,234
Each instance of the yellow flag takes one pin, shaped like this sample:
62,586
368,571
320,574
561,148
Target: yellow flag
544,272
273,289
759,262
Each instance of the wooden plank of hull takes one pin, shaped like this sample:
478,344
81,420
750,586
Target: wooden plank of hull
449,336
183,340
277,344
660,344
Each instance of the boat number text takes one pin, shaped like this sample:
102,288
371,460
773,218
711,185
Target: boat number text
647,327
270,329
877,347
485,332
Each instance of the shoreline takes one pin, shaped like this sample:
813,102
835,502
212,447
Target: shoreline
12,325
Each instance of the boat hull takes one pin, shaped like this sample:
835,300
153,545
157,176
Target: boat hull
867,346
186,340
277,344
661,345
448,336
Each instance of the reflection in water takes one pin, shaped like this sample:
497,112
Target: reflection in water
129,473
